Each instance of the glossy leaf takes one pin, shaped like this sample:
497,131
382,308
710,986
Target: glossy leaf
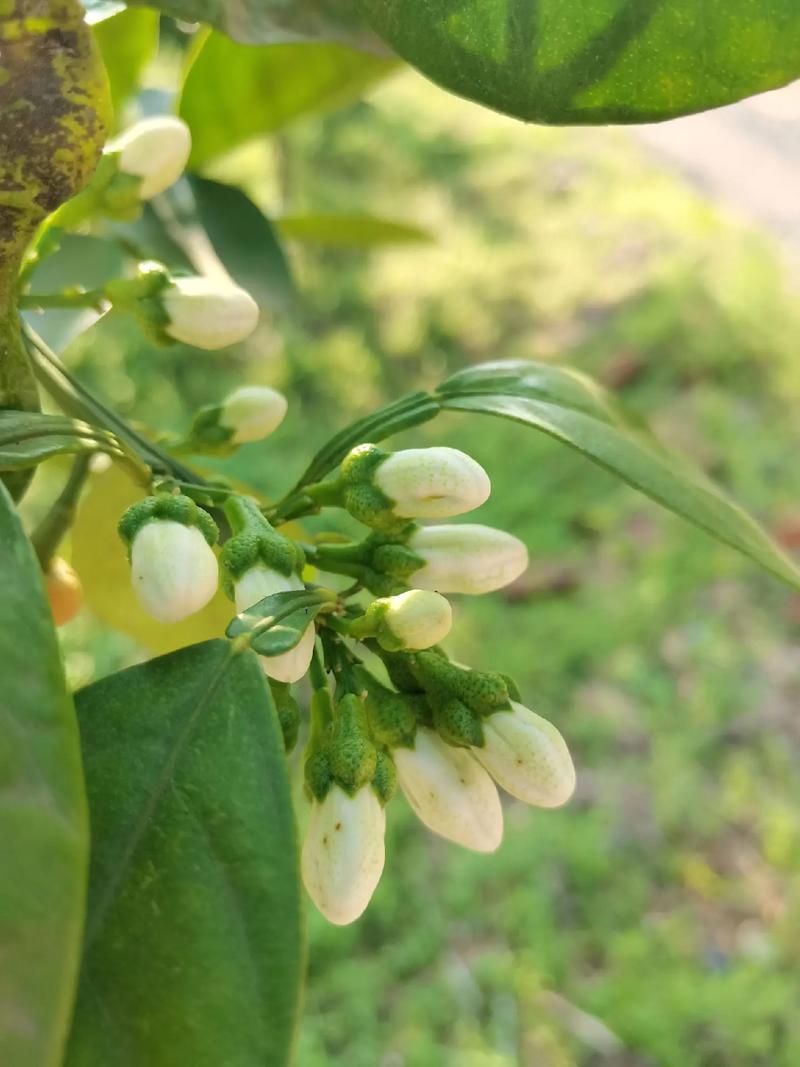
246,242
276,624
43,824
579,413
411,410
350,231
29,437
127,42
278,22
99,557
596,61
234,93
193,943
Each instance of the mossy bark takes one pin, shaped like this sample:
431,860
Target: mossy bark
54,112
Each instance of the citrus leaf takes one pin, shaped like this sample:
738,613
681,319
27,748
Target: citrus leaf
350,231
576,411
193,944
277,623
595,61
27,438
43,824
127,42
411,410
234,92
246,242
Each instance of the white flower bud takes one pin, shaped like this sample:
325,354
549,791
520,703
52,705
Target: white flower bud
343,853
173,569
528,757
252,413
208,313
262,581
155,150
467,558
418,618
432,483
450,792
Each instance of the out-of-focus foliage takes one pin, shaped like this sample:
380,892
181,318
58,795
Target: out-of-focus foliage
654,920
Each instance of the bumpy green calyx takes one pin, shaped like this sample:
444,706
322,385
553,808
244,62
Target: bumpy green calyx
392,716
362,498
54,112
288,713
318,776
455,722
351,753
384,781
483,691
398,667
166,507
255,542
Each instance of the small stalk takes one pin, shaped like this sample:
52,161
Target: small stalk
51,531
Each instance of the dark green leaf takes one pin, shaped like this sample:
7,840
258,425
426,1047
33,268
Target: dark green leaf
596,61
43,824
28,437
246,242
279,22
409,411
276,623
127,42
575,410
350,231
193,946
235,92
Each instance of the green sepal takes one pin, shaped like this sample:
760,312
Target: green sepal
351,754
398,667
255,542
166,507
318,776
207,434
484,692
361,496
392,716
456,723
288,712
384,781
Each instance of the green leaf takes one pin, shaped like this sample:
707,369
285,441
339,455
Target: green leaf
28,437
246,242
579,413
127,42
596,61
43,823
278,21
411,410
350,231
193,946
275,624
234,92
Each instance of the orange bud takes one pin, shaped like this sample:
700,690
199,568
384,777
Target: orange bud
64,591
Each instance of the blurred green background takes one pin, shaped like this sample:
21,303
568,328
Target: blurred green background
656,920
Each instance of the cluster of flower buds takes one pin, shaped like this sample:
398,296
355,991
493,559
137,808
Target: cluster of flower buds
447,734
208,313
